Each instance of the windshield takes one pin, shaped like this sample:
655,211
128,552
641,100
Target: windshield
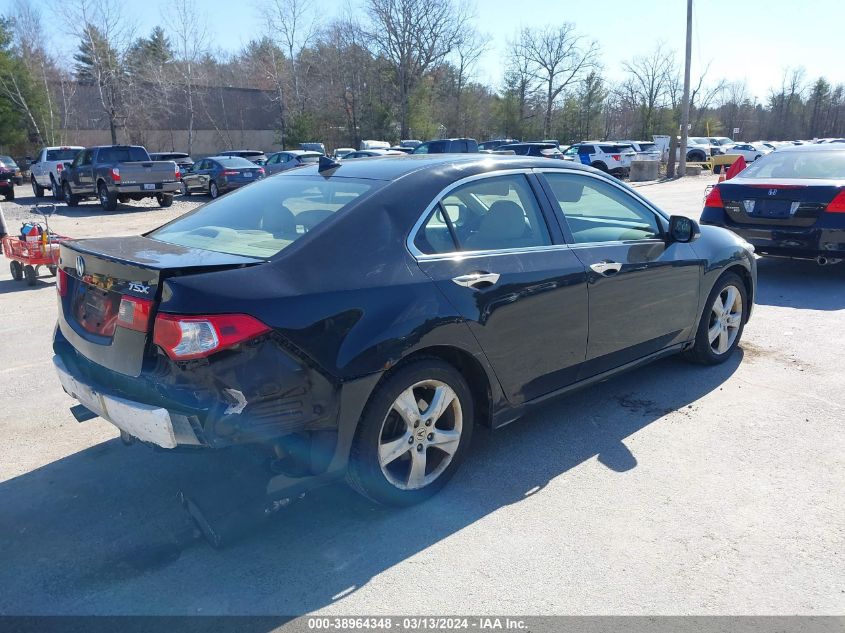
264,218
815,164
62,154
699,141
8,162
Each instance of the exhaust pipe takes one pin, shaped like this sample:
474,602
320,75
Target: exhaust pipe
821,260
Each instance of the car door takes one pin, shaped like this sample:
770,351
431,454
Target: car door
272,164
82,176
585,154
643,290
487,245
191,177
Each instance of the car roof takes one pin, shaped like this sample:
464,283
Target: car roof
391,168
825,147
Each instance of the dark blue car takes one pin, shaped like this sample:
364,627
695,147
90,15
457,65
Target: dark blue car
789,203
218,174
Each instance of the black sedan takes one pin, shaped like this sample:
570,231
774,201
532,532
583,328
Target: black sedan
789,203
361,318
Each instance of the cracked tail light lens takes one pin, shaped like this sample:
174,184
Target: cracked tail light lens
189,337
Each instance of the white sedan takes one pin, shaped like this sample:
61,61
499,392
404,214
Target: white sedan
750,152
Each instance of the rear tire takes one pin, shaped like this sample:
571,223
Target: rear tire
16,269
30,275
71,199
108,200
402,455
164,200
721,325
37,190
213,191
11,195
58,194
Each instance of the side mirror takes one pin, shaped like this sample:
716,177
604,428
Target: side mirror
683,229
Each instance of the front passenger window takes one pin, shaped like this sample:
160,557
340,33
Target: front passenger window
597,211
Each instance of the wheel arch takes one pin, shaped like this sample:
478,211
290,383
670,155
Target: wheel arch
745,275
470,368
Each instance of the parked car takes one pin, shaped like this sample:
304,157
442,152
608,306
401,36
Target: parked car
698,148
10,176
313,147
646,150
403,150
253,155
218,174
45,171
409,143
361,320
374,145
610,157
788,203
543,150
183,161
748,151
340,152
447,146
281,161
720,143
496,143
369,153
119,173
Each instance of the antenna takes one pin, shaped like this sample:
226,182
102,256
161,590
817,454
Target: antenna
327,164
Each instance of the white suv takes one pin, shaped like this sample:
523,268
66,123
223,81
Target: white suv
46,170
614,158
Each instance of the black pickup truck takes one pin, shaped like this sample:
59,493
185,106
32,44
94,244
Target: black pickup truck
119,173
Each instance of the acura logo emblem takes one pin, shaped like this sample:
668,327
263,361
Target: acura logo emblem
80,266
773,192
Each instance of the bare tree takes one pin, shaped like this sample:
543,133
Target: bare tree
651,77
292,25
557,57
414,35
468,50
190,31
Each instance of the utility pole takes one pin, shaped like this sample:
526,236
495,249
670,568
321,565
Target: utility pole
682,167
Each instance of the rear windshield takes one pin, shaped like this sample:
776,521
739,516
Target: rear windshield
647,147
263,219
169,156
815,164
123,155
235,162
62,154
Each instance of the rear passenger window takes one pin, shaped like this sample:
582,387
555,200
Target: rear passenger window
597,211
494,213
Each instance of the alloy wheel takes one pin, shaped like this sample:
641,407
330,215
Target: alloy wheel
725,320
420,435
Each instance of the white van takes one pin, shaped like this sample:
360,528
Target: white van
374,145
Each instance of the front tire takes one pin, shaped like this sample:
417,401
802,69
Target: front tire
721,325
600,166
413,435
37,190
71,199
16,269
30,275
11,195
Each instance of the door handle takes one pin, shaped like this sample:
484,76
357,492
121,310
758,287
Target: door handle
606,268
475,280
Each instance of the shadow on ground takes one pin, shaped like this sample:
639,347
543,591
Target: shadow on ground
100,531
800,284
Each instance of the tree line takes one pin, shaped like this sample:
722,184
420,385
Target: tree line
391,70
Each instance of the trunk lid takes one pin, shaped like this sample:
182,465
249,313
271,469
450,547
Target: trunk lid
98,274
797,204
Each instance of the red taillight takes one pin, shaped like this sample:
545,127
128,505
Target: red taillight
187,337
616,156
261,170
837,205
61,282
178,173
59,167
115,174
230,172
134,313
714,199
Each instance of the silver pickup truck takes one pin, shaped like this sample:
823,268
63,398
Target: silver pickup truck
119,173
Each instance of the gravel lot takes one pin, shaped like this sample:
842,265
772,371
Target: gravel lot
671,490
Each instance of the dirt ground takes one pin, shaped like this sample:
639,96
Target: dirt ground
674,489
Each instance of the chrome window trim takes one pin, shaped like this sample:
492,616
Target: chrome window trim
420,256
